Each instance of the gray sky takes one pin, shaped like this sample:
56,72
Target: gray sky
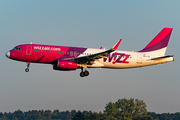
88,24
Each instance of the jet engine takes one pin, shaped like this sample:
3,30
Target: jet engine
65,65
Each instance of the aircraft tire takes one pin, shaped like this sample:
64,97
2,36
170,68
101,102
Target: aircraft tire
82,74
86,73
27,70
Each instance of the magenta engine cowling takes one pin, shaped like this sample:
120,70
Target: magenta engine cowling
65,65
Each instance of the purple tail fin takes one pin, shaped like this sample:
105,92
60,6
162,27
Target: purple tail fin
159,43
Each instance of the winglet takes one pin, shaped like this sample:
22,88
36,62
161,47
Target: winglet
116,45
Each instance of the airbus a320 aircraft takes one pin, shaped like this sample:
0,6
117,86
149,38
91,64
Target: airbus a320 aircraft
65,58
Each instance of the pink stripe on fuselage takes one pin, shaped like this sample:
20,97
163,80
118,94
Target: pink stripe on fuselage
44,53
38,53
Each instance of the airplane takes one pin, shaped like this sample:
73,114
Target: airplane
65,58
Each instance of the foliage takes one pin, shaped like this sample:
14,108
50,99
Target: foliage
79,116
126,109
123,109
38,115
165,116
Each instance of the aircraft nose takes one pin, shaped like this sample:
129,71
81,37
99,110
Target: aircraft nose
8,54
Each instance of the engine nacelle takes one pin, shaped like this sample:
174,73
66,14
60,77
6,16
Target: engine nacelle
65,65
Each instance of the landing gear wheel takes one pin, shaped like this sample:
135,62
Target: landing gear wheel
27,70
86,73
82,74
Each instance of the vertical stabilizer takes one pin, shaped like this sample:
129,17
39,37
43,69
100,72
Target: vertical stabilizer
159,44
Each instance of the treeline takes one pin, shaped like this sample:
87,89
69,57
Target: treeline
56,115
69,115
165,116
39,115
123,109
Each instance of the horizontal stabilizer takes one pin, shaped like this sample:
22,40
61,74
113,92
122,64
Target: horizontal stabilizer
162,57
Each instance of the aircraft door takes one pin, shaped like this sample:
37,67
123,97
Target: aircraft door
28,50
139,58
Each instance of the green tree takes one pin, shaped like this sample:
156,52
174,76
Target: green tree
79,116
126,109
112,111
1,114
95,116
47,114
18,115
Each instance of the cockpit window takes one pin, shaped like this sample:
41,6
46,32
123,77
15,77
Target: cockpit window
16,48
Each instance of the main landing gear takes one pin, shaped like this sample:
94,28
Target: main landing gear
27,69
85,73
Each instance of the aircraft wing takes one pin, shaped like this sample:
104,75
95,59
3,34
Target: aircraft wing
87,59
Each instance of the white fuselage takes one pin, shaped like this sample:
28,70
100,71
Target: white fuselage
126,59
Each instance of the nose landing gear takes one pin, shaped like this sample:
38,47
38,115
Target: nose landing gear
27,69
